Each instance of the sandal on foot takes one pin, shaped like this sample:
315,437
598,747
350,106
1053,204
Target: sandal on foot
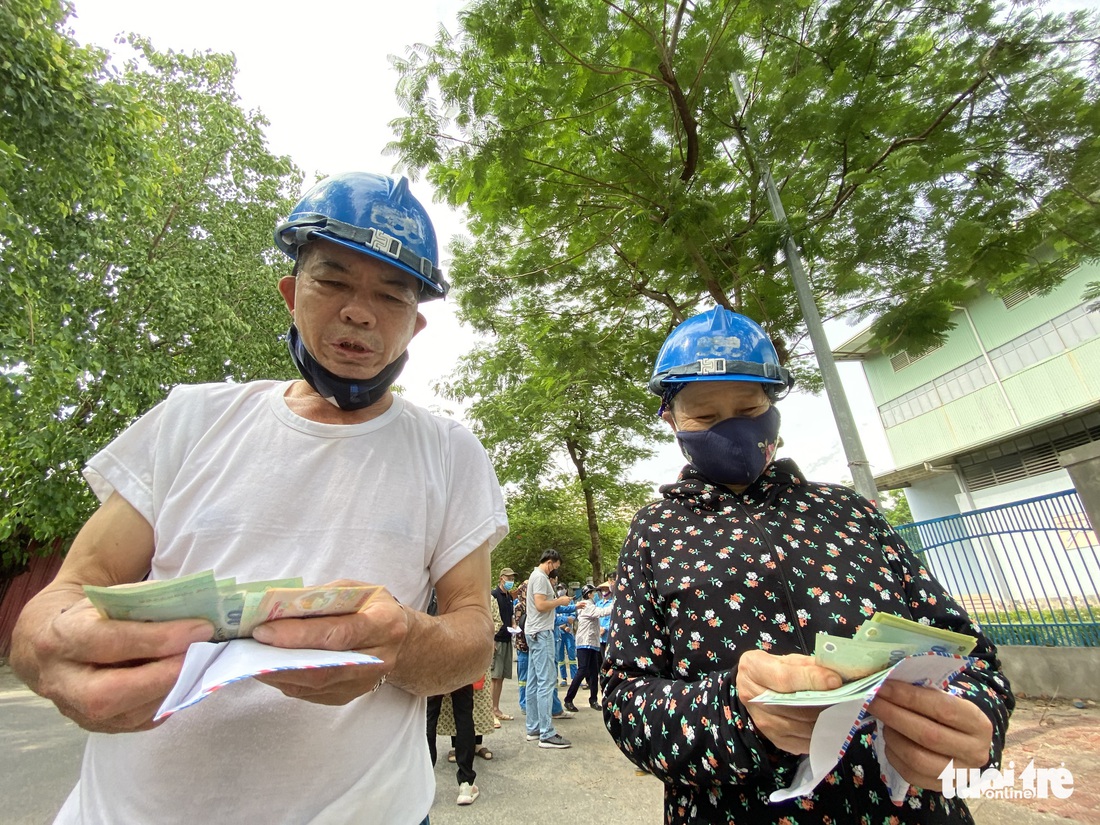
484,753
504,717
451,755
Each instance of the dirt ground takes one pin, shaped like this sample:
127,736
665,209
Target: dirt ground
1054,733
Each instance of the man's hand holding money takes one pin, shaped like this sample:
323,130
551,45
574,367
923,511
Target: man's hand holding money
379,629
110,676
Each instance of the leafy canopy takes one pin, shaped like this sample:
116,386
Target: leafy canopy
136,208
925,151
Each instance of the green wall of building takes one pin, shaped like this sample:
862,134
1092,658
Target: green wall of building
1061,383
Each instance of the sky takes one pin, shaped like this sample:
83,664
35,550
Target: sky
324,82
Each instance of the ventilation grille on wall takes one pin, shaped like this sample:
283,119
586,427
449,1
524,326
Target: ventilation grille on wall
1032,455
904,359
1017,296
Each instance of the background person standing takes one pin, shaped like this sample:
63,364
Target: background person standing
502,640
539,630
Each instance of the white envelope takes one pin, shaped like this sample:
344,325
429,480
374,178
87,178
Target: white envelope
212,665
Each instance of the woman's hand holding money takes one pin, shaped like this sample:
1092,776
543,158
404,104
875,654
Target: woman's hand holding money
926,729
788,728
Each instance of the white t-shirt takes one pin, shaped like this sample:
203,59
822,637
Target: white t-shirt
538,582
232,480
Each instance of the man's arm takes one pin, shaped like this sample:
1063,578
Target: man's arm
105,675
545,605
424,655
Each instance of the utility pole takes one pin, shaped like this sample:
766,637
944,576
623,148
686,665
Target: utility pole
862,477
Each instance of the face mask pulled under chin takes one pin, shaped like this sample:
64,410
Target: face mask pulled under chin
347,394
734,451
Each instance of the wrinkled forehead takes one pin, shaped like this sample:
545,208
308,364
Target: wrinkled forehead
721,392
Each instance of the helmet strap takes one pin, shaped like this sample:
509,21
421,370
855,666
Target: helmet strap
346,393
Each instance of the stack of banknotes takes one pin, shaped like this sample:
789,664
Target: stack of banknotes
234,608
878,645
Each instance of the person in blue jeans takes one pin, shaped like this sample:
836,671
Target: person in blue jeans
541,671
558,710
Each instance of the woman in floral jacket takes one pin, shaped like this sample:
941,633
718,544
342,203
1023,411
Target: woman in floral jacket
722,587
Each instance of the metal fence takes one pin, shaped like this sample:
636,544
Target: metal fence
1028,572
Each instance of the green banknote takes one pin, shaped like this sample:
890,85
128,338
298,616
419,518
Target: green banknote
891,629
819,698
196,596
856,658
188,597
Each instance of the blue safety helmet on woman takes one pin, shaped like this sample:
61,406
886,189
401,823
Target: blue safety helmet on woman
718,345
372,214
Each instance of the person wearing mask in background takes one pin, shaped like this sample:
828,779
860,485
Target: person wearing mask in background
523,654
542,599
722,586
603,598
559,712
565,643
502,640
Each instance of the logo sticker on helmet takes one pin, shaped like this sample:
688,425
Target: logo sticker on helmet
720,343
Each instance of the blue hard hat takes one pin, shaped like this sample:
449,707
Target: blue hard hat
372,214
718,345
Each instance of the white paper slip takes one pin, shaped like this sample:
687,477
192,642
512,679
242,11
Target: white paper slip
212,665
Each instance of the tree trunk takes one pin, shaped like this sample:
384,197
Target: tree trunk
576,453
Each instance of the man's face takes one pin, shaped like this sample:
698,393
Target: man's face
354,313
504,580
702,404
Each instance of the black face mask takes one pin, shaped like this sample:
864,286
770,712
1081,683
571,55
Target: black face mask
345,393
734,451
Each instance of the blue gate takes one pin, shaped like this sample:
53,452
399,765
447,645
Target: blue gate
1028,572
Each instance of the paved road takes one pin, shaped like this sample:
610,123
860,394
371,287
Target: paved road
40,755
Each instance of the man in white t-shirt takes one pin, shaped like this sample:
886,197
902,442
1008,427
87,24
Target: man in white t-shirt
330,478
538,628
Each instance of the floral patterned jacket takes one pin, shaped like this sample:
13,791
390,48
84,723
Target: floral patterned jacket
706,574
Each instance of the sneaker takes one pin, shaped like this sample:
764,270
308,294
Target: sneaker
595,705
569,706
563,715
467,793
531,737
555,741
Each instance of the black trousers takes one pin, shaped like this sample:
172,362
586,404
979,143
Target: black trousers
462,700
588,668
